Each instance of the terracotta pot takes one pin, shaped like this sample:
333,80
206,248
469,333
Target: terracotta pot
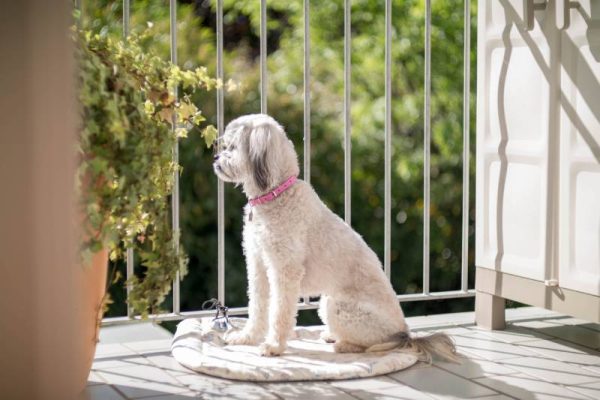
93,284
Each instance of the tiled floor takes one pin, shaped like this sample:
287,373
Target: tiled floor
541,355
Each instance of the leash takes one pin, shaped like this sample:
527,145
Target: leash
221,320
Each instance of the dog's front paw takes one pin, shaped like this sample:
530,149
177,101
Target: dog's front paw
268,349
327,337
241,337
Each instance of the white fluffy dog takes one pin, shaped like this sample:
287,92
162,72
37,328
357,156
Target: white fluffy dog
295,246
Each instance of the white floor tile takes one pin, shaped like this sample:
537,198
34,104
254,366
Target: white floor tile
575,334
118,362
377,382
535,324
441,320
102,392
564,351
589,389
94,379
552,370
104,350
178,396
215,388
529,312
592,368
307,391
166,362
488,348
568,321
475,367
140,331
526,387
453,330
379,387
395,392
150,346
513,334
440,384
142,381
592,326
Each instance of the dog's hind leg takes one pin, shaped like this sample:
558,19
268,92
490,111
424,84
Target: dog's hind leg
347,347
358,325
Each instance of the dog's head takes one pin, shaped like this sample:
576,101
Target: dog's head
254,151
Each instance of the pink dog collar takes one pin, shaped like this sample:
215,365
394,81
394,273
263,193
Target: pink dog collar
274,193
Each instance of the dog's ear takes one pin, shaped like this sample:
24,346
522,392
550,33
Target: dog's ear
258,145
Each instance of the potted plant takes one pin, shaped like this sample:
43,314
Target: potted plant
130,123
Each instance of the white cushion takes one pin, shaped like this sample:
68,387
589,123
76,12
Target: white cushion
198,347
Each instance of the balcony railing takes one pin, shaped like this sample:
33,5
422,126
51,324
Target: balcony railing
426,294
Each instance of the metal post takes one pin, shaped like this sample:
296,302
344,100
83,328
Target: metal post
306,300
130,265
220,185
347,122
78,4
307,91
263,56
175,195
427,147
130,262
125,19
466,146
388,141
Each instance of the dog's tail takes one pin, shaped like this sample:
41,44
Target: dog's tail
424,347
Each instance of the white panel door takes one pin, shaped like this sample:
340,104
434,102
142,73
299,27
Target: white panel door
517,117
579,227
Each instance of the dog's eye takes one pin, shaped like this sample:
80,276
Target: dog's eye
231,147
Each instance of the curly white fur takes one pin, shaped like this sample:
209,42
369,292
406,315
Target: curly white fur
295,246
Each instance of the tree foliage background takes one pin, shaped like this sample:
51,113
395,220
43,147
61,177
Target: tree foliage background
196,47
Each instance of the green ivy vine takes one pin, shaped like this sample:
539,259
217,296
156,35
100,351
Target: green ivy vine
131,120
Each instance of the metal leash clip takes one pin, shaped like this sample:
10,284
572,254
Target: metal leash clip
221,322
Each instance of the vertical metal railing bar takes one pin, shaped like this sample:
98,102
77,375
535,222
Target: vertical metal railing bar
175,195
263,56
125,19
129,260
466,145
388,142
78,5
307,91
347,121
427,147
129,251
220,184
306,16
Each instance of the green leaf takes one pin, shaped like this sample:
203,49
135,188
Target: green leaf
149,107
209,134
186,110
181,132
198,118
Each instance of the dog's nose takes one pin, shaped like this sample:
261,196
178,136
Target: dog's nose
216,157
